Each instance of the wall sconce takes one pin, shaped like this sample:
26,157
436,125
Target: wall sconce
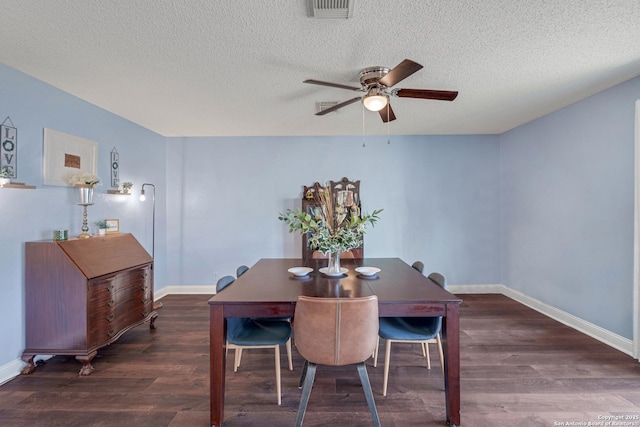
153,226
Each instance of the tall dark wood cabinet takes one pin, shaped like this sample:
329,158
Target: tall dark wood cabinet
345,193
83,294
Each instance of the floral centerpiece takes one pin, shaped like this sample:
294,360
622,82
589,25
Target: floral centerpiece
82,179
333,228
85,183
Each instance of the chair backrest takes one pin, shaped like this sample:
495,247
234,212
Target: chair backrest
241,270
336,331
438,278
223,282
418,265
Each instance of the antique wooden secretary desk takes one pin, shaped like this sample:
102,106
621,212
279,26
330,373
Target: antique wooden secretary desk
83,294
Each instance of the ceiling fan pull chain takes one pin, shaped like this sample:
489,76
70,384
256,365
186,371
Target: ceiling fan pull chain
363,144
388,141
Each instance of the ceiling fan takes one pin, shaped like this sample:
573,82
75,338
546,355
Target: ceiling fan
376,83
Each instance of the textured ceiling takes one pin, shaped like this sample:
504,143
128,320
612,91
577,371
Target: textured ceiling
235,67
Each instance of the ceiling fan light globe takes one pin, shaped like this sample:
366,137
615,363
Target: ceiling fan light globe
375,102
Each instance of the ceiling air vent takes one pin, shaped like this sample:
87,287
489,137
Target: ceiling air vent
331,9
324,105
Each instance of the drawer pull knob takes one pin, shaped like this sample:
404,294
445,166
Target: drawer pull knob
144,313
111,332
110,317
110,303
144,300
111,287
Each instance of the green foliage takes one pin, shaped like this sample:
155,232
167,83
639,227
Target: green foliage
348,235
6,172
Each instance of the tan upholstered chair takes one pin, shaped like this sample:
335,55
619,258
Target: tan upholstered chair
335,332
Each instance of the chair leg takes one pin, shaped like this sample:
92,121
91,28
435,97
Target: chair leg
366,386
375,353
288,345
303,375
277,357
306,391
236,358
439,342
387,356
428,356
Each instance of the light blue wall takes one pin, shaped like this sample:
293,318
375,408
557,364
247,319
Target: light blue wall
28,215
546,209
439,195
567,188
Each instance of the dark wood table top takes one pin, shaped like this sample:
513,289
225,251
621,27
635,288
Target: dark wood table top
269,281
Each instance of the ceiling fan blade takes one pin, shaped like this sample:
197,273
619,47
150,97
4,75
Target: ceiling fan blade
338,106
441,95
386,114
400,72
338,85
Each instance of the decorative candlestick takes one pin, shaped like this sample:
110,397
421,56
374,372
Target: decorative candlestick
86,198
85,227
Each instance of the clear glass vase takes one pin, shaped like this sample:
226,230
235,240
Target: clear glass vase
334,263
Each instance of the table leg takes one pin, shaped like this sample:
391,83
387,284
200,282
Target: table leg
451,342
217,342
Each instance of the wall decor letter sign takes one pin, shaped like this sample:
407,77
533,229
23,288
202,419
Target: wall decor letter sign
115,168
9,147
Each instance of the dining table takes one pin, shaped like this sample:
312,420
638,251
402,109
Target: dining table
268,289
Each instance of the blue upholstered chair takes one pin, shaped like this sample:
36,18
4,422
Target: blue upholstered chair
243,332
418,265
335,332
241,270
238,354
415,330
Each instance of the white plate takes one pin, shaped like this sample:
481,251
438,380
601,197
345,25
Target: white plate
368,271
325,270
300,271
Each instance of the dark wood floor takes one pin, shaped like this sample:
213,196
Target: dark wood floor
519,368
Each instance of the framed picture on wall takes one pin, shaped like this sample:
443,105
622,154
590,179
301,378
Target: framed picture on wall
66,155
113,226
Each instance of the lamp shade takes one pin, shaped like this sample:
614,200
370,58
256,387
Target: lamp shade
374,101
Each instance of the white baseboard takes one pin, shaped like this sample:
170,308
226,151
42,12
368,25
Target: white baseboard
622,344
185,290
13,368
10,370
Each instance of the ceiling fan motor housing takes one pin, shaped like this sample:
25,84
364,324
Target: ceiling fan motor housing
371,76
